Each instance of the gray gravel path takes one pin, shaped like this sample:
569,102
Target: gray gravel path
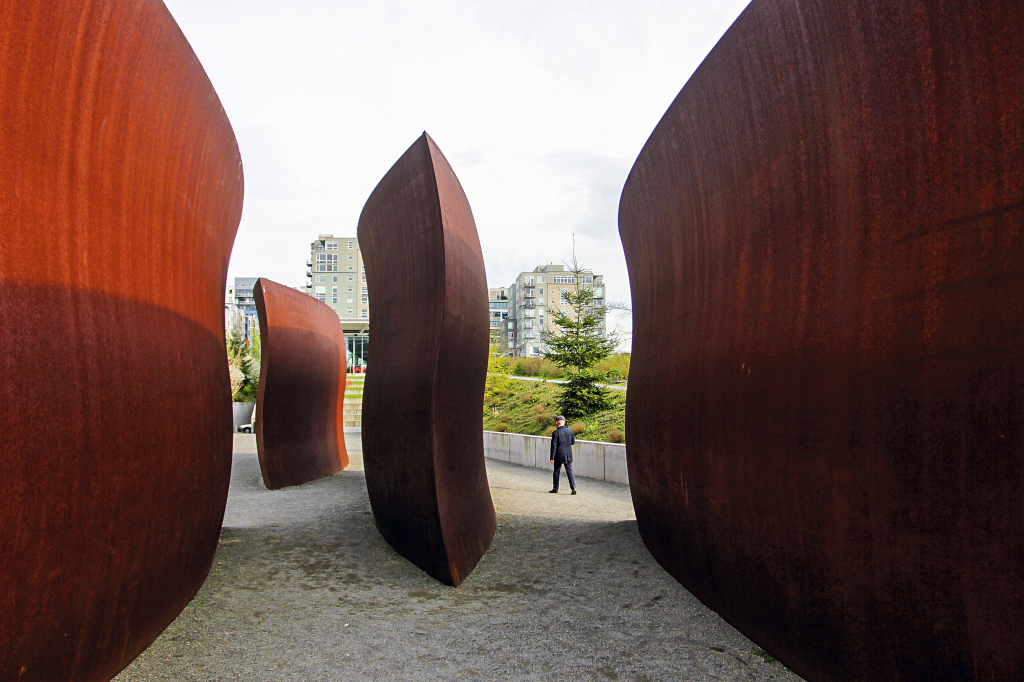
304,588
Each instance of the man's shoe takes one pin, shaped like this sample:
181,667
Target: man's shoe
573,491
553,490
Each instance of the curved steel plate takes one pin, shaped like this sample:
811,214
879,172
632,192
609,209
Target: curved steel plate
120,191
422,449
299,431
824,240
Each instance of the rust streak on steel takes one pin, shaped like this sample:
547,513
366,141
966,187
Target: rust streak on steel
120,191
826,412
299,432
422,449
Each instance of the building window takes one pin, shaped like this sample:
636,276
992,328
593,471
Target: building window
365,292
321,298
349,290
588,280
364,276
511,335
349,311
332,246
540,279
321,278
350,278
350,256
348,300
364,299
334,279
321,290
562,280
334,300
541,290
351,245
350,267
334,290
529,280
364,313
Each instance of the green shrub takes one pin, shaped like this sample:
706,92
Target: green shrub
537,409
495,401
503,393
578,428
526,398
504,418
545,419
549,430
501,427
614,436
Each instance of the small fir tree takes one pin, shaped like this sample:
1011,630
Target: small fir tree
577,347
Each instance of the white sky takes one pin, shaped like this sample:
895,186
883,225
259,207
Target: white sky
541,107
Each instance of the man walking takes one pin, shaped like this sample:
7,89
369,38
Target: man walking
562,440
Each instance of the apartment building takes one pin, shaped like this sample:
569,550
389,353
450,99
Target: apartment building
240,308
336,277
531,300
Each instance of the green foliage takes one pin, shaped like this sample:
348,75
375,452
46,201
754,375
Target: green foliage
578,428
243,366
578,347
543,399
537,367
614,367
583,396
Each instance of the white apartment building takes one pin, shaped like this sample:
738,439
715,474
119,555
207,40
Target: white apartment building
336,277
533,297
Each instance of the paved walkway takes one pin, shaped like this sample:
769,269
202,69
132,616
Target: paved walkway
304,588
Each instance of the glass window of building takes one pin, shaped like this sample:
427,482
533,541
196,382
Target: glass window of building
332,246
321,290
351,245
349,311
334,278
364,313
350,267
334,290
334,300
348,300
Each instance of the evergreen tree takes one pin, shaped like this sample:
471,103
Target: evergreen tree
577,347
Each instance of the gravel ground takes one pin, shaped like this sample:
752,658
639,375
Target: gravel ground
304,588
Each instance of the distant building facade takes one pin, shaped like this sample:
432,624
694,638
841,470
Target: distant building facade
531,300
240,308
336,276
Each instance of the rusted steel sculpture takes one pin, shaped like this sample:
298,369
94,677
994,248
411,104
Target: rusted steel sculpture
422,449
120,194
825,248
299,432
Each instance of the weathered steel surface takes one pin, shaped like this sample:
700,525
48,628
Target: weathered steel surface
824,239
299,432
422,445
120,194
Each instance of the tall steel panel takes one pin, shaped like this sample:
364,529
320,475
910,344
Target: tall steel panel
826,408
422,441
300,435
120,194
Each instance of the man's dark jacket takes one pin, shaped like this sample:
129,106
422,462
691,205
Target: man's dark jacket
562,440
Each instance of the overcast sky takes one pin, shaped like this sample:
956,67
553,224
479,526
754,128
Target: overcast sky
541,107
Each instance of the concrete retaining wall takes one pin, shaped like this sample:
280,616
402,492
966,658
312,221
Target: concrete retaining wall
603,461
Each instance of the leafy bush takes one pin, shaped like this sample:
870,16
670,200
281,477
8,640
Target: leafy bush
503,393
501,427
504,418
578,428
526,398
495,401
614,436
537,367
537,409
545,419
549,430
614,367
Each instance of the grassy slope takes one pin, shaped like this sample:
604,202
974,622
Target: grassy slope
532,406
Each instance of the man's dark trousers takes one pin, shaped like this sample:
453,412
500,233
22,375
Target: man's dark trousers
568,472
